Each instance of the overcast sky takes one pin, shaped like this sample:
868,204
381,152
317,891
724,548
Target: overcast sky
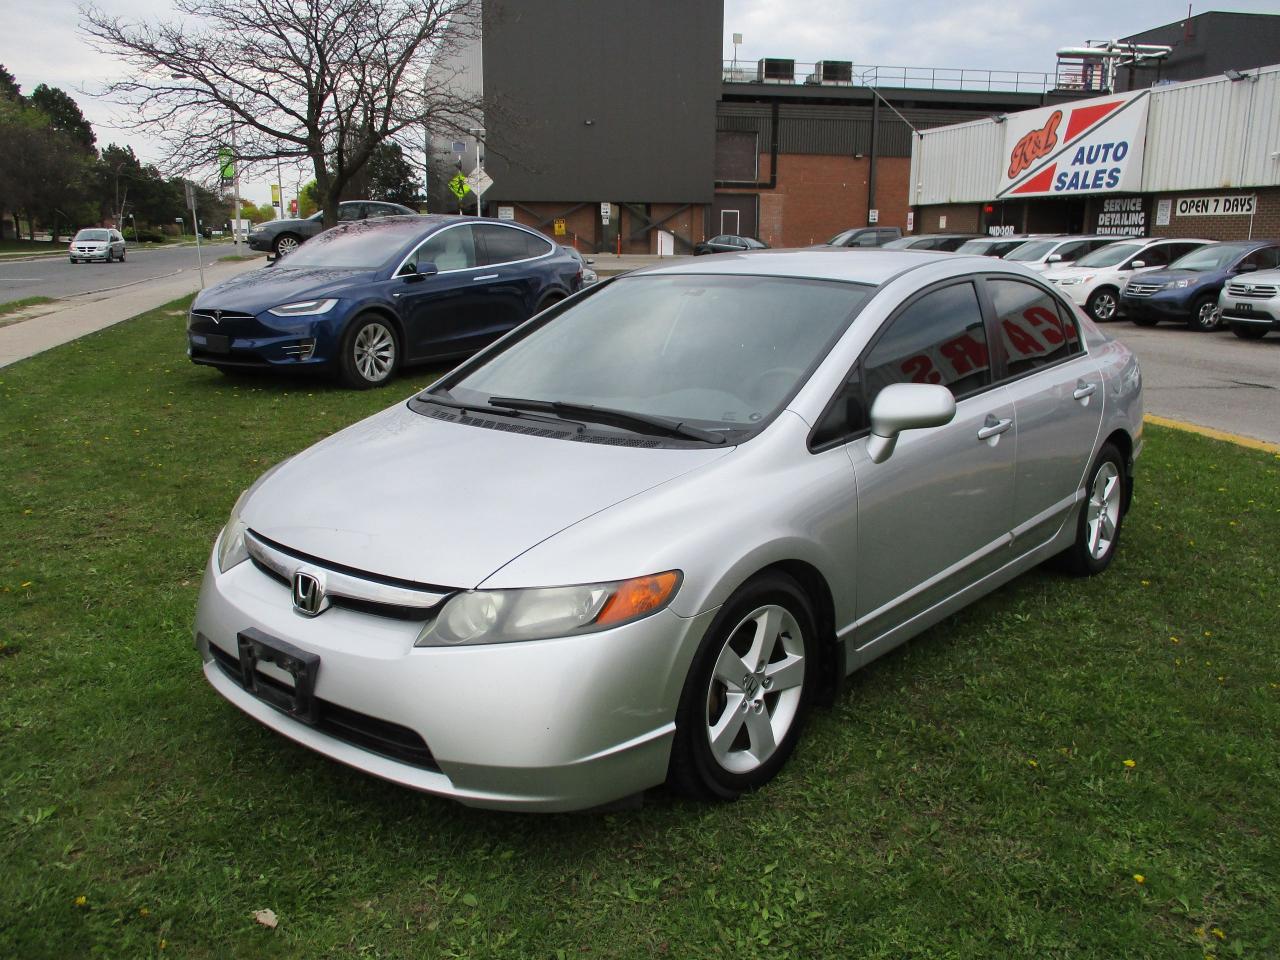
41,43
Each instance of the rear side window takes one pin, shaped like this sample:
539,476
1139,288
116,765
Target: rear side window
866,240
505,244
1033,331
939,338
350,211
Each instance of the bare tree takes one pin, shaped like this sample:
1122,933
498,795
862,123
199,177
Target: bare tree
318,81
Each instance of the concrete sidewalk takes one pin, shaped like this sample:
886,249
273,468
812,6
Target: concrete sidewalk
609,264
74,317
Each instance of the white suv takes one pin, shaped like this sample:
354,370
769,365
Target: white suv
1250,304
1096,279
1050,252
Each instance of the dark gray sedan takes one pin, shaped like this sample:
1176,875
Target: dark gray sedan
284,236
729,243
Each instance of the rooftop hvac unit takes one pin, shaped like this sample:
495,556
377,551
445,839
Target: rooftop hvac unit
832,73
776,71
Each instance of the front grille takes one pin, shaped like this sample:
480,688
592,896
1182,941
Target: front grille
1141,289
1251,291
378,736
220,316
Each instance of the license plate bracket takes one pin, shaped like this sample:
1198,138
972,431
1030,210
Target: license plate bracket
1244,307
257,647
217,343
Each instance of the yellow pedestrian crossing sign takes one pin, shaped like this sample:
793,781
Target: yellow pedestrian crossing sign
459,185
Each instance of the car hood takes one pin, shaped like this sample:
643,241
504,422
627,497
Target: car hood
275,226
258,290
410,497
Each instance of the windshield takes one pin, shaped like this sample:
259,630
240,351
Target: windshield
1213,257
975,246
1032,250
720,351
362,245
1110,255
840,239
904,243
93,235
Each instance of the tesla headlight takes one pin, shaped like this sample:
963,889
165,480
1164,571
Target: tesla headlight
506,616
1179,284
303,308
231,548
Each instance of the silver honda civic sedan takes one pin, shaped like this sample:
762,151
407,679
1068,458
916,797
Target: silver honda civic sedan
635,540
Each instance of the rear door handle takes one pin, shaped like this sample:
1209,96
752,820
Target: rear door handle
487,276
994,427
1084,390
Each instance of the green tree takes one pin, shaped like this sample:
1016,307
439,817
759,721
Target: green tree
64,115
389,176
309,200
9,89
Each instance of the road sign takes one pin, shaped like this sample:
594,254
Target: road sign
479,182
275,194
506,213
873,216
293,206
459,147
459,185
191,196
606,211
559,227
226,163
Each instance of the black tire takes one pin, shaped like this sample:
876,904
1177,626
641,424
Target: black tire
547,302
1145,321
1083,558
1246,332
370,353
696,769
1104,304
123,254
1205,315
289,241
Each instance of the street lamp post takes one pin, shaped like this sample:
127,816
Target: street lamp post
478,133
133,220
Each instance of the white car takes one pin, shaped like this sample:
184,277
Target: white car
97,243
1096,279
1250,304
1042,255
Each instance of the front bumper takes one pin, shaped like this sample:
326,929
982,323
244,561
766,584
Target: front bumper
260,241
90,254
1162,305
548,725
265,341
1263,314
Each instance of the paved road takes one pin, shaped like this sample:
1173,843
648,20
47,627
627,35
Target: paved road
58,277
1212,379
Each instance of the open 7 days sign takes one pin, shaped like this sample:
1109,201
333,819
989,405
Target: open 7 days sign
1091,146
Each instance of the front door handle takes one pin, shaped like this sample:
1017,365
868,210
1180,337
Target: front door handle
994,427
487,276
1084,390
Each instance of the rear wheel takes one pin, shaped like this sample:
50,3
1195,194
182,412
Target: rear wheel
1103,304
1246,332
370,352
123,254
747,693
1204,314
1098,529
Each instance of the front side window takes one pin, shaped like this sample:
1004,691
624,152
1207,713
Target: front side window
1214,256
1071,251
350,211
939,338
1033,332
1264,259
868,239
450,249
721,351
1157,256
363,245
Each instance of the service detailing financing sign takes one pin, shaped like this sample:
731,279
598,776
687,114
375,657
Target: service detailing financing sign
1088,146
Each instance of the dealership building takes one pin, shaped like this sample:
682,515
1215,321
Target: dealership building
1199,158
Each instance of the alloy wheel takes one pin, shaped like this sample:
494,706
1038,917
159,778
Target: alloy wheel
1104,306
755,689
374,352
1207,315
286,245
1103,513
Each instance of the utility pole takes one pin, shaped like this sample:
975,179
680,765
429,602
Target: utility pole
235,186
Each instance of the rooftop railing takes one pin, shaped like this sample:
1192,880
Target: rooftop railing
837,73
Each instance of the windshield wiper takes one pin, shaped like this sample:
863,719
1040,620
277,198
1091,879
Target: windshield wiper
645,422
488,406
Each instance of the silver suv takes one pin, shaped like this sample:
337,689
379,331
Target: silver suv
1250,304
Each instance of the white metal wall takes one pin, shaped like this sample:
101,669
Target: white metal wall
1201,135
957,164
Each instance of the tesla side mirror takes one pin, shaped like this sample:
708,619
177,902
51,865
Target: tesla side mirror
1137,265
1053,258
906,406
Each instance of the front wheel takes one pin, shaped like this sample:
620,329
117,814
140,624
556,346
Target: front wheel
747,693
1103,304
285,244
1098,529
370,353
1205,314
1246,332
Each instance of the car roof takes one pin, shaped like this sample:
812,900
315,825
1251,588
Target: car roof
861,265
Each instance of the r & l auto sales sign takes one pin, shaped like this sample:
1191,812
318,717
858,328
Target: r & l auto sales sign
1090,146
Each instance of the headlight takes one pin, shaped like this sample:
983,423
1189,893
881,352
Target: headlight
1179,284
303,308
231,548
1072,281
506,616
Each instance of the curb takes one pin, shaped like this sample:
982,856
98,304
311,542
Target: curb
1211,433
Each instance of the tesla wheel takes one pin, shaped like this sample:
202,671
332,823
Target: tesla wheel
1205,314
285,244
1103,304
1245,332
1098,529
370,353
747,693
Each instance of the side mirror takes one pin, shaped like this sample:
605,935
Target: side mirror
906,406
1137,264
414,272
590,261
1053,258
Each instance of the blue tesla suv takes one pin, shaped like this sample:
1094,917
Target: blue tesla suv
365,297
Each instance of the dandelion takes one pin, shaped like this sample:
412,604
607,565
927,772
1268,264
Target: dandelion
1146,583
25,583
1139,879
1032,764
1208,633
1218,933
1174,640
1131,764
81,900
144,912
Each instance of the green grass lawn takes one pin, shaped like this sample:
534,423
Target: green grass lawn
1071,769
13,306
